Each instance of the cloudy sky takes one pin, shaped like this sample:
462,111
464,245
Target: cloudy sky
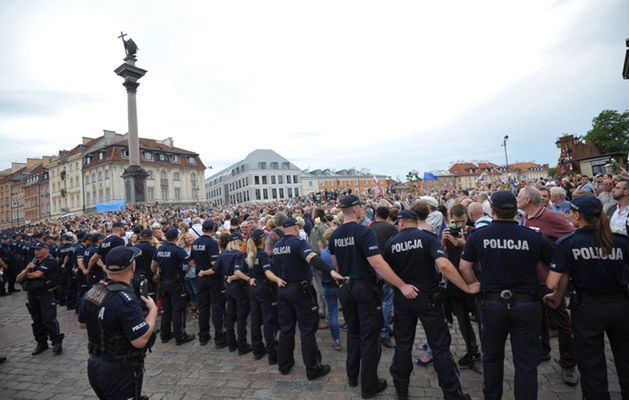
391,86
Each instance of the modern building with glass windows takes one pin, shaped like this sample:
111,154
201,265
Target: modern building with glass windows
262,176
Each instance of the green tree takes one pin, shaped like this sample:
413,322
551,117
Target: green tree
610,131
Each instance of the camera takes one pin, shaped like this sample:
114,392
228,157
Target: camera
455,231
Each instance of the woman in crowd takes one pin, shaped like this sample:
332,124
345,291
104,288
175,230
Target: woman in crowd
330,293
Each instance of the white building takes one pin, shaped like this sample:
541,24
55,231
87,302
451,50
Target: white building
262,176
66,181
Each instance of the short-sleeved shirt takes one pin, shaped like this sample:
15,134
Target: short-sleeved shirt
204,252
109,243
121,312
352,243
289,259
261,264
384,231
170,259
508,254
228,262
590,270
48,266
143,261
412,254
65,250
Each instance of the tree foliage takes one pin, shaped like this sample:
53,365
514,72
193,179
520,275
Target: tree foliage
610,131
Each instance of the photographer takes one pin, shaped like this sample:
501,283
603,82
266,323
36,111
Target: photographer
459,302
38,280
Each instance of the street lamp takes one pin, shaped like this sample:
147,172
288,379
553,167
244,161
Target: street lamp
504,144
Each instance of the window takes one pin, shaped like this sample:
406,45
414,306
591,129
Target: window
247,181
295,179
265,194
150,175
257,194
256,180
176,176
174,158
290,192
147,155
272,179
124,153
177,194
280,179
164,175
106,174
285,165
310,183
296,192
101,155
192,161
281,193
100,175
264,180
87,181
274,193
274,165
150,193
107,194
164,193
262,165
88,160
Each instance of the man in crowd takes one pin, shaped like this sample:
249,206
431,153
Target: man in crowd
558,202
619,213
606,196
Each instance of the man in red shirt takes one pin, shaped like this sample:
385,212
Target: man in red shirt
553,226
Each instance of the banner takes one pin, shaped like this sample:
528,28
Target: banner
110,206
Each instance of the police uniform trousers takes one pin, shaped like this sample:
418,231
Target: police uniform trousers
521,321
62,286
211,295
236,314
263,319
114,380
591,319
174,306
43,309
407,312
561,321
70,290
362,309
297,304
82,287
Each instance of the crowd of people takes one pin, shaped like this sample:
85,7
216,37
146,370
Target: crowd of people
388,261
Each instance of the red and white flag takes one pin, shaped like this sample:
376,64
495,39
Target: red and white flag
378,187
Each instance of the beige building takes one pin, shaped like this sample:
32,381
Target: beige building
66,181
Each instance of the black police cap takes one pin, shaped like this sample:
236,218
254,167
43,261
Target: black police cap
121,257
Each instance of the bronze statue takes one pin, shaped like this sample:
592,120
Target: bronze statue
130,47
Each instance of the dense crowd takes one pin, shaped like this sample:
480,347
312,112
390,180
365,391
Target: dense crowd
232,266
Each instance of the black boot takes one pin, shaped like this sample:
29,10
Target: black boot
57,348
41,347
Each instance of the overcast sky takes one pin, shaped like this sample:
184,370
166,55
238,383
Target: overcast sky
390,86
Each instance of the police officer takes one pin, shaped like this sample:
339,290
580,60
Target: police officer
95,271
211,287
508,254
170,260
143,271
39,281
111,241
64,255
117,329
6,261
354,249
596,262
412,254
297,300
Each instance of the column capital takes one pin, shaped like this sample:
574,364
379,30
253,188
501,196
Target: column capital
131,86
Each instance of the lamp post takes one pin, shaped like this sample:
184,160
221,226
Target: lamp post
504,144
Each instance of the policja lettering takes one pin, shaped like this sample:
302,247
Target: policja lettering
508,244
344,242
596,253
165,254
406,246
281,250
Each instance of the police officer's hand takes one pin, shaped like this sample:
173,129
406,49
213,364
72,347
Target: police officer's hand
552,300
148,301
252,281
409,291
336,276
473,288
281,282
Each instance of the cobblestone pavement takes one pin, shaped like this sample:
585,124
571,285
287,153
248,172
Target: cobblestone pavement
194,372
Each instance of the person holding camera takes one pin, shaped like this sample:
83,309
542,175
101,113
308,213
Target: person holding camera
38,279
461,303
119,331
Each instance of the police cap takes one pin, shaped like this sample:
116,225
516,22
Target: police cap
290,221
587,205
207,225
171,234
40,245
503,200
121,257
407,214
349,201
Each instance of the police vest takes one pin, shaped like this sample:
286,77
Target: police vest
112,346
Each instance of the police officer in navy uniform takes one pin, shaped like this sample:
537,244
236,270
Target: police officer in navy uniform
211,287
143,271
110,242
412,254
297,300
39,280
95,271
170,260
595,262
508,254
64,255
117,328
6,262
355,252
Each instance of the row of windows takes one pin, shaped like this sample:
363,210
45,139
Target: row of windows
275,180
146,155
276,193
274,165
239,197
239,184
215,192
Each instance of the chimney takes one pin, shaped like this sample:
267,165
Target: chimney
85,140
167,142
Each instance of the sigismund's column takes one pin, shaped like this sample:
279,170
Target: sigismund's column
134,176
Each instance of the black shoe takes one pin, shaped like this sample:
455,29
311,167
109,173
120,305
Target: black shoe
220,345
166,339
70,308
402,396
57,348
353,382
387,342
545,357
40,349
469,359
382,384
233,348
2,359
467,397
144,397
245,350
323,371
258,356
184,339
272,360
287,371
203,342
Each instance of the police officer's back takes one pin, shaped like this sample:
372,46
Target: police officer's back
597,264
508,254
118,330
143,271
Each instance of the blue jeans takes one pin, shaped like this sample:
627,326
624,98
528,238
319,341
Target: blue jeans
191,289
331,301
387,309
